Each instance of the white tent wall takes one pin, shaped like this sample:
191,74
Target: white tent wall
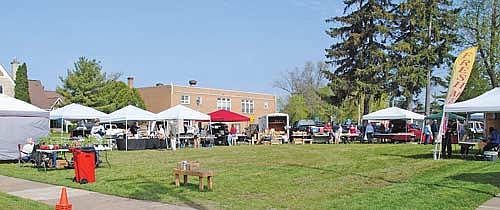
15,130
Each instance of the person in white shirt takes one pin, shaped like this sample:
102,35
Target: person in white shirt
97,131
27,149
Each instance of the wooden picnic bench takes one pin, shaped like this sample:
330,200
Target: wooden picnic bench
199,173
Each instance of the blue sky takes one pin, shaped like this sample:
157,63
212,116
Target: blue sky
241,45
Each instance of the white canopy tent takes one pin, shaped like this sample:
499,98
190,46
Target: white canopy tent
129,113
393,113
76,112
487,102
180,112
19,121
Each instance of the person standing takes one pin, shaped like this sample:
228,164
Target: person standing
233,135
434,129
446,145
336,133
427,132
134,130
369,132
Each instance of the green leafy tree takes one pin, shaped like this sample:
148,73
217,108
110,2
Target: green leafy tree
296,108
87,85
21,89
359,53
307,83
83,83
116,95
479,24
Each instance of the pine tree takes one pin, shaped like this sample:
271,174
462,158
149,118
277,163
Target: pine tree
415,51
87,85
359,52
22,86
83,83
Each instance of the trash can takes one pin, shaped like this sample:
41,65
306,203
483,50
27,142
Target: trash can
84,163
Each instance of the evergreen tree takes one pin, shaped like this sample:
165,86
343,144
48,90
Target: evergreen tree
359,53
422,39
21,89
87,85
83,83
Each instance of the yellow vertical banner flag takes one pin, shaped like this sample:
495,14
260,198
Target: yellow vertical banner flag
460,74
459,77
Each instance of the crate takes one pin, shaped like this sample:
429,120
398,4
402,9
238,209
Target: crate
61,163
193,165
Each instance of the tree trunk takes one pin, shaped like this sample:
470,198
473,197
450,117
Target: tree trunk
366,104
493,46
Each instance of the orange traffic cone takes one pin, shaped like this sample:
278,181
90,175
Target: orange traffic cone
63,201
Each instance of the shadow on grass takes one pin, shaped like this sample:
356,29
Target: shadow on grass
490,178
484,178
155,191
420,156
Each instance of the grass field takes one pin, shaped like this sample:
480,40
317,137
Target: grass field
381,176
13,202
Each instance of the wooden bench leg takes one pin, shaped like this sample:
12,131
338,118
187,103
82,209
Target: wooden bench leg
177,180
201,183
209,180
185,179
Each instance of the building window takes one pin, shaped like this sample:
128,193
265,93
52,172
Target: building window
266,105
185,100
1,89
224,103
247,106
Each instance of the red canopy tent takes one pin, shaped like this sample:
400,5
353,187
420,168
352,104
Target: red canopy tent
227,116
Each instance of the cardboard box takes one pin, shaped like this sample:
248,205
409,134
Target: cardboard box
193,165
61,163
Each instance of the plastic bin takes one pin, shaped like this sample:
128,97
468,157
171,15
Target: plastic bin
491,155
84,163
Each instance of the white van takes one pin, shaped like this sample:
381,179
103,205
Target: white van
476,127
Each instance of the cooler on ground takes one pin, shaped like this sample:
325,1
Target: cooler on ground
84,163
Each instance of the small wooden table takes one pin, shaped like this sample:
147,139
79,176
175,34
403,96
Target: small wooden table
199,173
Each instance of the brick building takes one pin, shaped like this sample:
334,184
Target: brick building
206,100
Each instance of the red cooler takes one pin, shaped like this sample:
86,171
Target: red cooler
84,163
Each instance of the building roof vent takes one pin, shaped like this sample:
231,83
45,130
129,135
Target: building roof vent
192,82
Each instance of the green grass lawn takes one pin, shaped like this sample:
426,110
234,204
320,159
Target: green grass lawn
381,176
13,202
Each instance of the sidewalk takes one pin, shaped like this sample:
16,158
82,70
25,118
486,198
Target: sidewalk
492,204
80,199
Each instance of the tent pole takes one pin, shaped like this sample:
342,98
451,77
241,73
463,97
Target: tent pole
165,133
126,135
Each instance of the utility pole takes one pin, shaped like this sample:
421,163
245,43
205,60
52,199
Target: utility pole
429,69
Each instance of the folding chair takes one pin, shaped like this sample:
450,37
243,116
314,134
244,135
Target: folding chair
41,160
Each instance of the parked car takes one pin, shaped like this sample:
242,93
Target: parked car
82,130
220,131
476,127
113,130
302,125
416,130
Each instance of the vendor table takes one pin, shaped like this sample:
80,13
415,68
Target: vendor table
101,148
466,146
394,136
